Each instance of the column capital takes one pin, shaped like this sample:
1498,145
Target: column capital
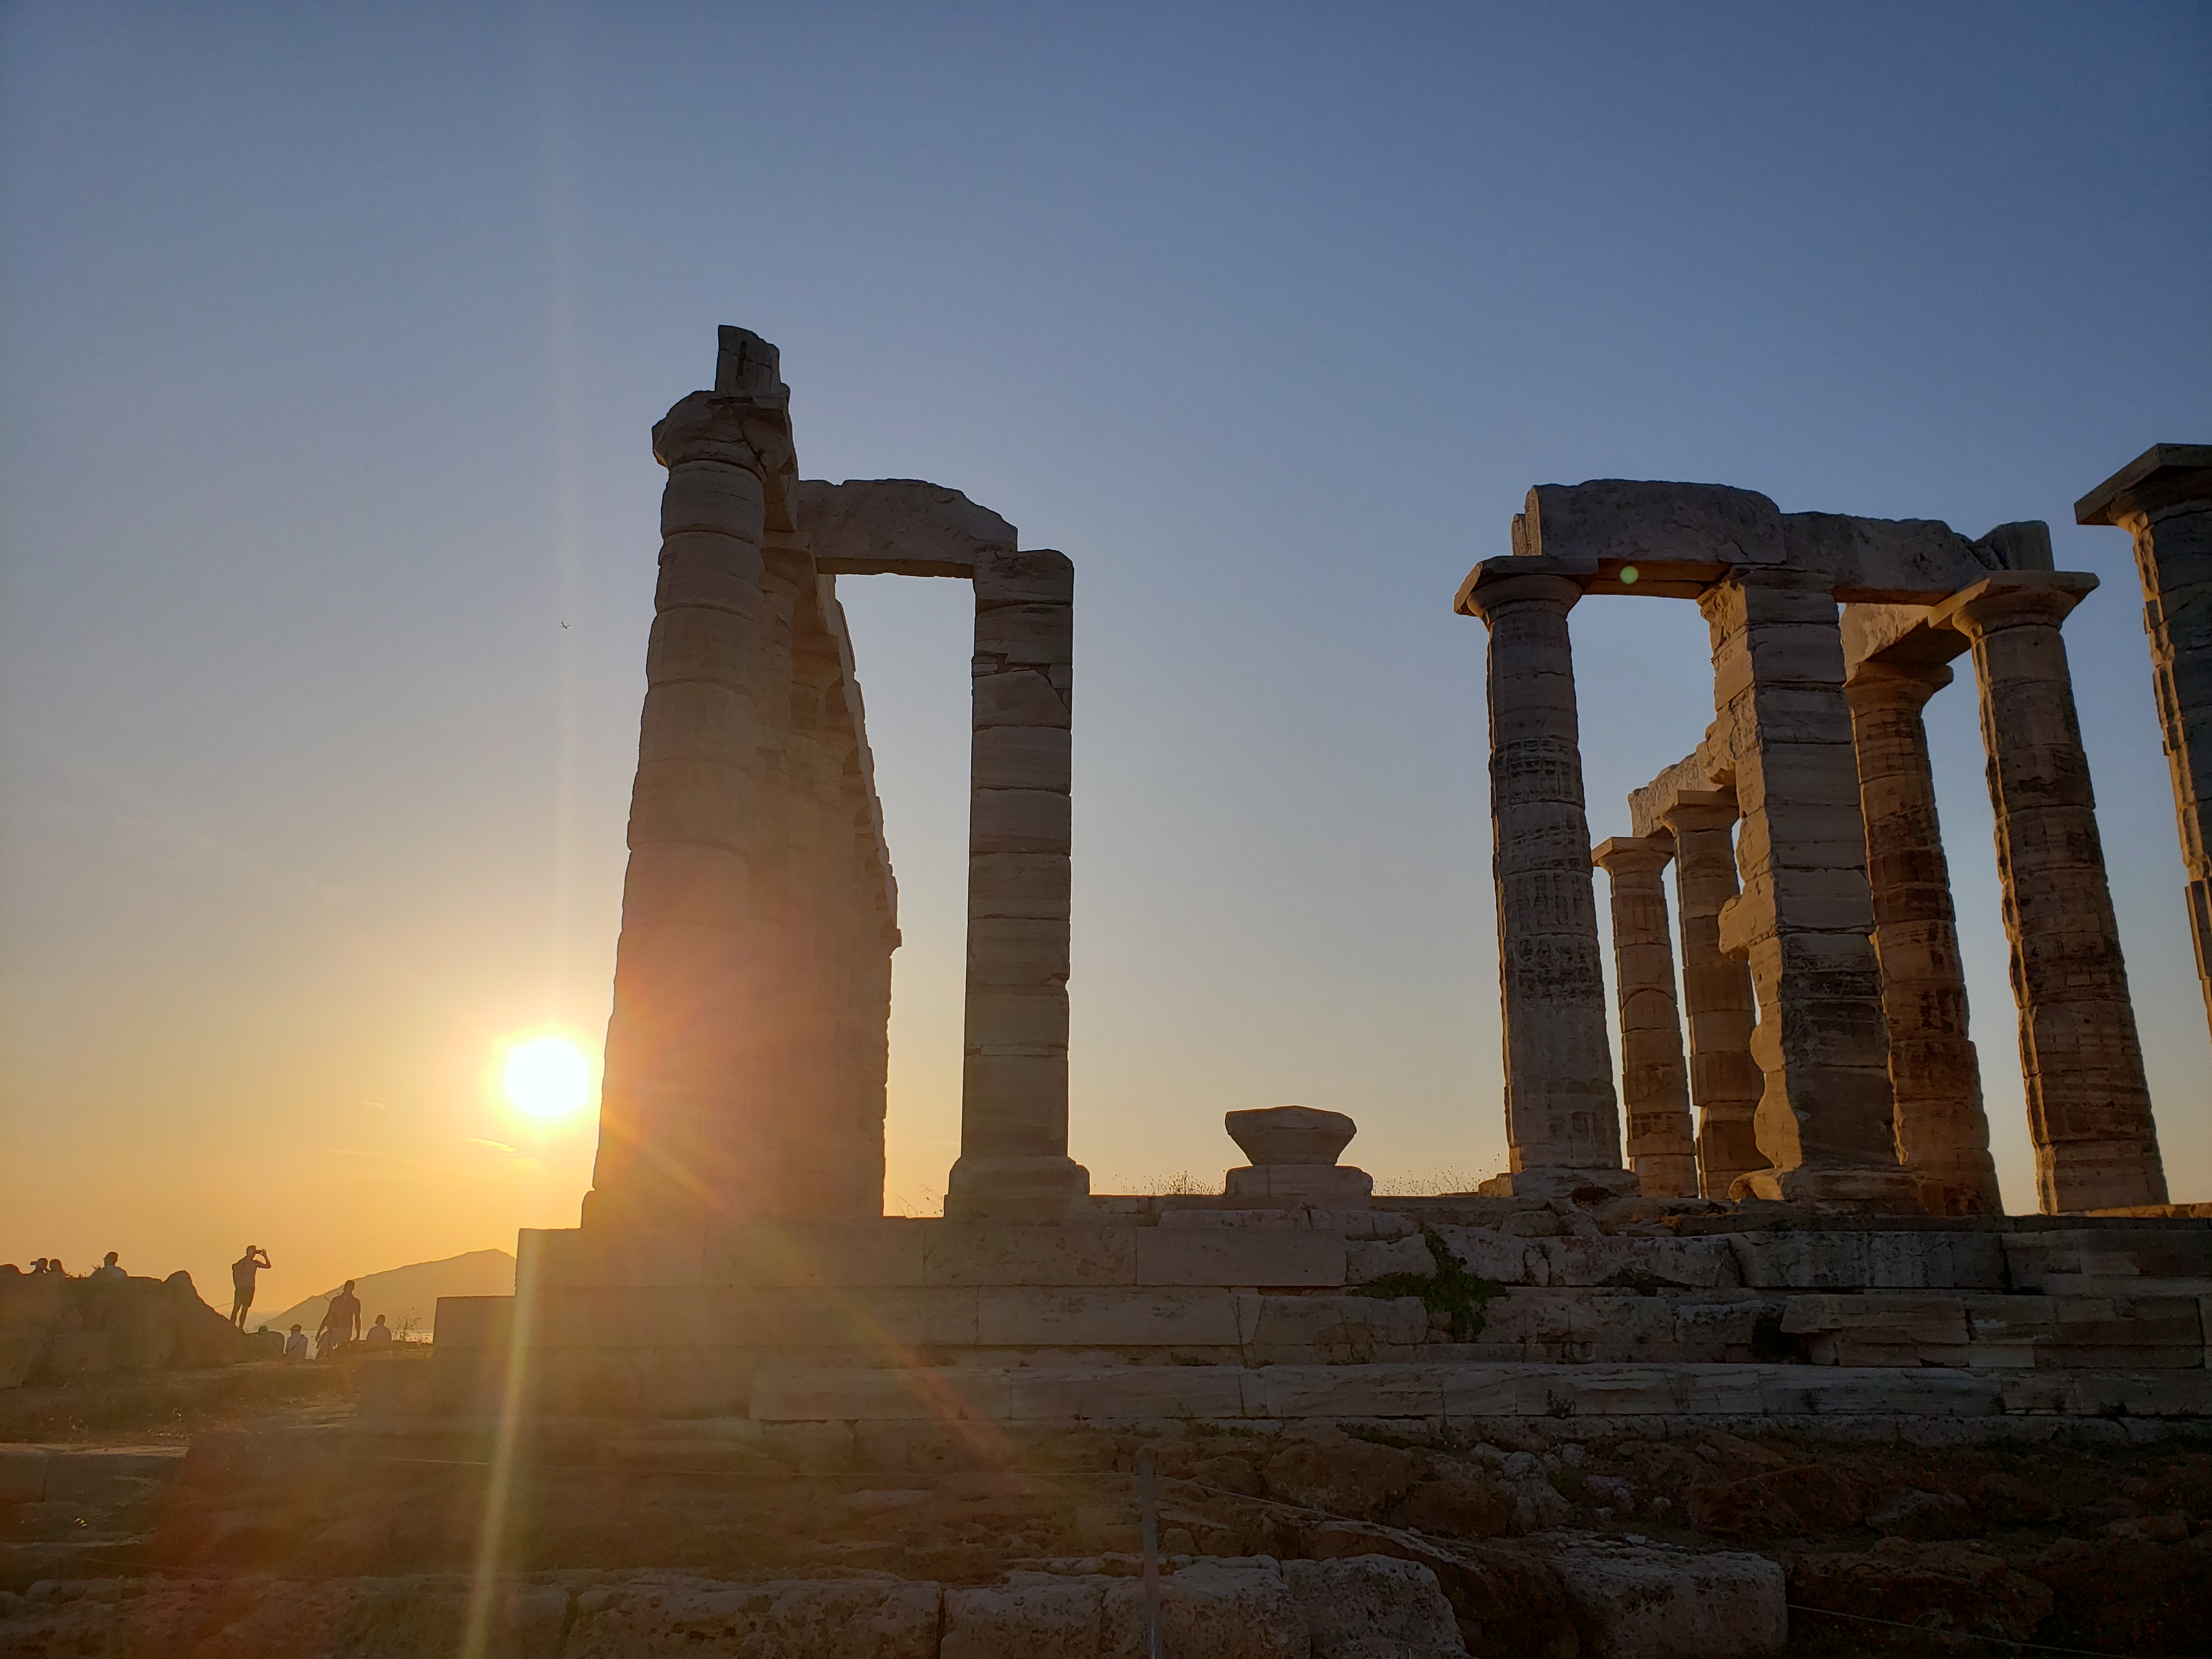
2012,598
1877,684
2163,476
1634,855
1486,593
1702,809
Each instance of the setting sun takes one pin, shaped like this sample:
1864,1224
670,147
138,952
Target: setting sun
548,1079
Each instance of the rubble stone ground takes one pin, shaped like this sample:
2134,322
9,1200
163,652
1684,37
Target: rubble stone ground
310,1528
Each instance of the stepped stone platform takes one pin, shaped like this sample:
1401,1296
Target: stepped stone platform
1453,1312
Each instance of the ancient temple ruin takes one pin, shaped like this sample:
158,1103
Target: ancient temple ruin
1827,1058
1654,1390
1783,1213
745,1055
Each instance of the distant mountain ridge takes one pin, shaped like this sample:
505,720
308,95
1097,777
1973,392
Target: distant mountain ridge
405,1294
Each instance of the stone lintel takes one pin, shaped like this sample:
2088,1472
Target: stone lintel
2160,475
897,527
1696,773
1663,578
1681,537
1897,636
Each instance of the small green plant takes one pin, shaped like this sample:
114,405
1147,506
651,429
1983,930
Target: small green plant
1460,1295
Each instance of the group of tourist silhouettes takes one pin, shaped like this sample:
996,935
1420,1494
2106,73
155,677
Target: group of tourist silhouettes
341,1320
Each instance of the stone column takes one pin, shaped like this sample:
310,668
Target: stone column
1013,1158
1562,1124
1725,1082
1654,1090
1942,1134
2088,1104
685,1129
2163,498
1805,917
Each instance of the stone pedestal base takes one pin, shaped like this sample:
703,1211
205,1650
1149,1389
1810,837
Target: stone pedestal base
1876,1191
1314,1181
1044,1189
1551,1182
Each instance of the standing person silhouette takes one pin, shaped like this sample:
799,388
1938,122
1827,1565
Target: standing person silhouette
341,1321
241,1282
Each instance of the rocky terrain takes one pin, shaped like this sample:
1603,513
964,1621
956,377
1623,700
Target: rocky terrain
256,1510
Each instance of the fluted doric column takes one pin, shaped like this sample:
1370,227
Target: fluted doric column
686,1126
1562,1121
1654,1089
2163,498
1942,1132
2089,1104
1725,1081
1805,917
1013,1158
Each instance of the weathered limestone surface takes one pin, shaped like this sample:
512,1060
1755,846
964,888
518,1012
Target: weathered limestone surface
1805,917
1561,1111
1649,1602
1725,1081
747,1052
1294,1150
2163,499
1654,1090
1682,537
897,527
1013,1120
687,1120
2088,1102
1942,1135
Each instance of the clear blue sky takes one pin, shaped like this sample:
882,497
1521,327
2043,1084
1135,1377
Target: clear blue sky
332,337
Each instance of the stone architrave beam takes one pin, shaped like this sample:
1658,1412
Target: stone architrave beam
1654,1090
897,527
2090,1109
1563,1122
2163,499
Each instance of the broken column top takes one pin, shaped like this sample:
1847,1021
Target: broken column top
2161,474
747,366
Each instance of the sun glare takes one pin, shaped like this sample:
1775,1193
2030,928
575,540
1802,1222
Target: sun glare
548,1079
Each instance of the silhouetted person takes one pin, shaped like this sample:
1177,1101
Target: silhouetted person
108,1269
296,1345
241,1282
341,1321
379,1333
40,1266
